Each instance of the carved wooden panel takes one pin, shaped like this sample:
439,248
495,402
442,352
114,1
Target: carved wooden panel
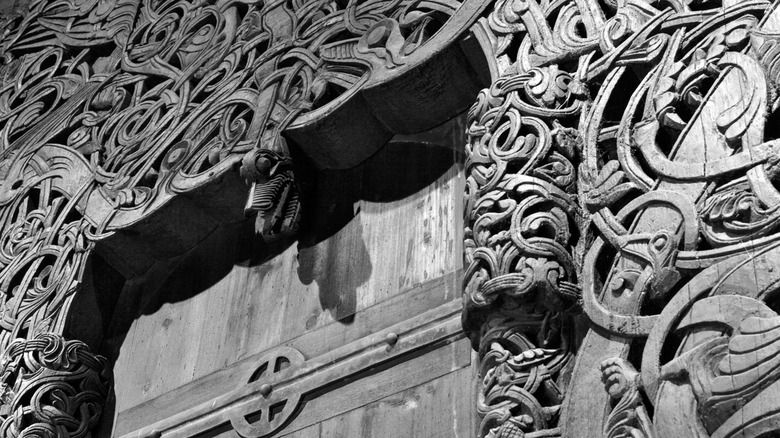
129,129
341,299
621,219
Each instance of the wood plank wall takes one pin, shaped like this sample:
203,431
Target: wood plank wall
379,244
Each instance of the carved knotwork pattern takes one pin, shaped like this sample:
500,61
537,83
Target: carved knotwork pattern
622,173
52,388
45,244
520,180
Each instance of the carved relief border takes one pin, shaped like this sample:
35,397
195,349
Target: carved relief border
620,183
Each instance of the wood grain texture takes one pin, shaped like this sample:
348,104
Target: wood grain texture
371,320
283,375
253,308
378,256
620,236
434,409
426,404
142,132
394,378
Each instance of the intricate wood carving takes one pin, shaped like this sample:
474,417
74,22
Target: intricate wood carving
621,184
52,388
118,116
622,172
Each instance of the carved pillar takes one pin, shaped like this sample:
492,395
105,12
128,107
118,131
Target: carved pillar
523,220
644,176
50,386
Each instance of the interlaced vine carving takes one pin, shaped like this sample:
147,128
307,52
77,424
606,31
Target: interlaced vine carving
621,181
520,178
622,177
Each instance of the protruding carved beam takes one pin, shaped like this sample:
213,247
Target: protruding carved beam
284,376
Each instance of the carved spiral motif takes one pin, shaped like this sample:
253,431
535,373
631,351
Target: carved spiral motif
521,219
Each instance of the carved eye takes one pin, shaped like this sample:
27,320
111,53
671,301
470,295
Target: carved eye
78,137
377,37
177,153
659,242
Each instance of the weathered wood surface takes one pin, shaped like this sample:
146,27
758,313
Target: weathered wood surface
429,394
392,256
371,320
282,376
128,133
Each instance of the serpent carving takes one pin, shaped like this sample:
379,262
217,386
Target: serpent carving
621,214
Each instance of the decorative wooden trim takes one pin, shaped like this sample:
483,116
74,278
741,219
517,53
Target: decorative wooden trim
621,183
381,316
283,375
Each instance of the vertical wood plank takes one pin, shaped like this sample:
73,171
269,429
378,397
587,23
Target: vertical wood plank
218,308
439,408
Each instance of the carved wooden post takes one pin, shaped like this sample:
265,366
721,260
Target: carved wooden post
644,176
51,386
621,190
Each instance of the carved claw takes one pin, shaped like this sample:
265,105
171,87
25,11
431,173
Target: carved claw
629,417
606,188
277,202
619,376
512,428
